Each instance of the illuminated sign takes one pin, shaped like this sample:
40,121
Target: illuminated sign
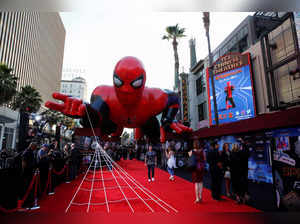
234,89
184,98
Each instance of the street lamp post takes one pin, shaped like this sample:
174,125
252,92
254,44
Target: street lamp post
206,25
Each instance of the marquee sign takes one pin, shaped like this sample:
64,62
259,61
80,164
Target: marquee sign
185,98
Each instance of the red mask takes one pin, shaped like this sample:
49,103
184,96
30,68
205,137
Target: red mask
129,80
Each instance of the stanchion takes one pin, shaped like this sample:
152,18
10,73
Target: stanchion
39,183
21,201
29,188
51,192
67,175
37,187
36,206
48,182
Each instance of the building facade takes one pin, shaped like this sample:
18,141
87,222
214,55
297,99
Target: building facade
272,135
76,87
270,39
32,44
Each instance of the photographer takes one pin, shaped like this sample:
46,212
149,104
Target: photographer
56,158
3,156
74,161
43,164
28,166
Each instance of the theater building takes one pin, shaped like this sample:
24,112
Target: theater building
257,81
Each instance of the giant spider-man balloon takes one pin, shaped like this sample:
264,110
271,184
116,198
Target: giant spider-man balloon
126,104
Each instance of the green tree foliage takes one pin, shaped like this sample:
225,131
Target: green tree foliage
53,117
8,84
27,100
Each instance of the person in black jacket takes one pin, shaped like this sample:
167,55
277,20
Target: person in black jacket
225,155
235,168
244,156
28,166
74,160
239,170
215,167
43,161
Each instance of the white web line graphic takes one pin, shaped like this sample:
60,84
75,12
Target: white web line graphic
103,163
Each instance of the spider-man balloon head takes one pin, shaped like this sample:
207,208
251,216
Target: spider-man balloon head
129,80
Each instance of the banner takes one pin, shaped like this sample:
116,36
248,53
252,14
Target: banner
184,99
286,165
233,87
259,161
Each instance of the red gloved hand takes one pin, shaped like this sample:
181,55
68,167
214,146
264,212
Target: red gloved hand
180,128
71,107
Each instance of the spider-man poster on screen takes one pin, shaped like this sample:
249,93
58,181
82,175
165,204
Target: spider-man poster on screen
233,89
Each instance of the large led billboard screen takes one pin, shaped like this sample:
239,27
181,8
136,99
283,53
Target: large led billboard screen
233,87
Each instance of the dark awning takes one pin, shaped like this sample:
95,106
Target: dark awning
279,119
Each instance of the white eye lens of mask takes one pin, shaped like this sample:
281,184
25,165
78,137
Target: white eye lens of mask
137,83
117,81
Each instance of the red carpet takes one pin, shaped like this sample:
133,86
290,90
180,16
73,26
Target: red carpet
179,194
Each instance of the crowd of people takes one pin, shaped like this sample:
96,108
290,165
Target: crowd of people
42,158
228,164
224,165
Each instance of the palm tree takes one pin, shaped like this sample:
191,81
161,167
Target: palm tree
8,84
27,100
52,117
174,33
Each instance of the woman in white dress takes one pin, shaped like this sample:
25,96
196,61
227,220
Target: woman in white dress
171,162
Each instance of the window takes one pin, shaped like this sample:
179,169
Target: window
234,49
243,44
200,88
201,109
282,37
285,87
288,89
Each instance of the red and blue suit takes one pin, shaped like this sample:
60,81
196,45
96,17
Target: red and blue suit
126,104
228,90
